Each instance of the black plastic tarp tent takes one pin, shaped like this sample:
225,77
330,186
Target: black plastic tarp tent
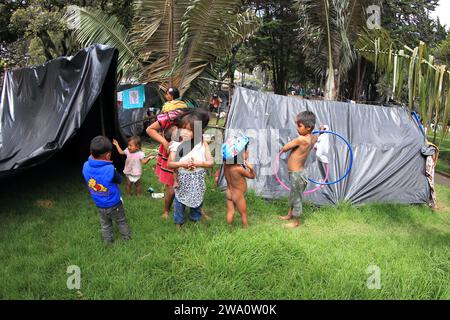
44,107
388,165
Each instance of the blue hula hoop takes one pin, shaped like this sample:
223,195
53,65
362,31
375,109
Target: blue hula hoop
349,166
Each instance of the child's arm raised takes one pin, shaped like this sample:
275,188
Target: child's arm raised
246,174
119,149
249,174
251,170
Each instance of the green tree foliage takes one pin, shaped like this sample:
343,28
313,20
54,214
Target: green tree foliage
328,30
7,8
42,29
405,24
410,76
33,32
409,22
442,51
172,42
275,48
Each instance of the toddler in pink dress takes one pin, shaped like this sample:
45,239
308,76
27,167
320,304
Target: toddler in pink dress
133,164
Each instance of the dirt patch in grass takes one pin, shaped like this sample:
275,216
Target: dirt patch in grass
45,204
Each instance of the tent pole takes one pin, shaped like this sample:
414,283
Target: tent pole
218,111
230,94
102,120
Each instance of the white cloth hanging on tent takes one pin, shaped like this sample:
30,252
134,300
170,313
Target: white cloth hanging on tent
322,146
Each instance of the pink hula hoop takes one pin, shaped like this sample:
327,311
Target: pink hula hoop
277,160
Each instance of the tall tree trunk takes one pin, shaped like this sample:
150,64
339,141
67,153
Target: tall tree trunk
286,65
232,65
330,85
274,73
357,79
360,85
171,41
231,71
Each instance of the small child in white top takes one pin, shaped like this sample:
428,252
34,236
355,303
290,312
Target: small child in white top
176,136
133,164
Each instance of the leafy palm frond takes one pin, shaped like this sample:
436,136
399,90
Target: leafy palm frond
427,83
342,19
411,84
328,28
446,118
201,87
172,41
157,32
94,26
210,28
239,28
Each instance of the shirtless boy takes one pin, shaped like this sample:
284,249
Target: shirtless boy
236,170
300,149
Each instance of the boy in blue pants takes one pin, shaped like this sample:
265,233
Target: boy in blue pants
102,180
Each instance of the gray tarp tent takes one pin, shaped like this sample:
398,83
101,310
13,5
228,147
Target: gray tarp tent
388,165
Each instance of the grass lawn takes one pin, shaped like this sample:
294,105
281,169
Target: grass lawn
49,223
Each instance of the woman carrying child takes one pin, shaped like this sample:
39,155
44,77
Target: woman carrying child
173,100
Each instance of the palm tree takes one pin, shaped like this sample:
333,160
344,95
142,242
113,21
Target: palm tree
411,76
172,42
328,28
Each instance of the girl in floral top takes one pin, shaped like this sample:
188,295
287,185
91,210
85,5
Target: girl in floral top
191,157
165,121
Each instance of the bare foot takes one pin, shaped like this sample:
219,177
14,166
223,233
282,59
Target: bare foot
285,218
292,225
178,226
165,215
206,217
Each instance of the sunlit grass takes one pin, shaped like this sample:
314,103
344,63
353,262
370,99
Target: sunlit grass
50,223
